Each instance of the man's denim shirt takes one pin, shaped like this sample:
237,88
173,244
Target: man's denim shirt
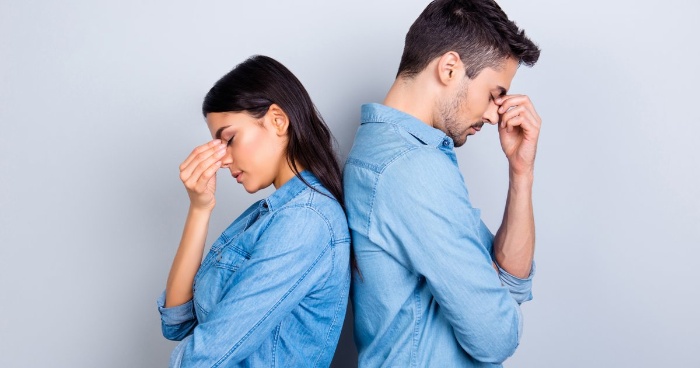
272,291
429,295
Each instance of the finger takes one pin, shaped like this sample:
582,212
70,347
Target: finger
512,112
501,100
217,150
202,166
516,121
203,161
207,176
524,120
197,151
512,100
506,102
187,172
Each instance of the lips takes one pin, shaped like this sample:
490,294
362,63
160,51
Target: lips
477,126
237,176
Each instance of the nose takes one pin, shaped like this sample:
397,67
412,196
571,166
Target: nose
491,114
227,159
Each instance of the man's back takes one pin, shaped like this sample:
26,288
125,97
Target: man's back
432,288
428,296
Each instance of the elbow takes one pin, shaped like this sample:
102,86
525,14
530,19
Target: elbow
520,288
494,345
175,333
495,353
521,297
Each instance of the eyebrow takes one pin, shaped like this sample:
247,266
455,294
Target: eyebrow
217,135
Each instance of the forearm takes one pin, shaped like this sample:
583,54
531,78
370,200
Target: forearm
188,257
514,244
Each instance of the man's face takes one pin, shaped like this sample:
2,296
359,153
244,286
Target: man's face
472,103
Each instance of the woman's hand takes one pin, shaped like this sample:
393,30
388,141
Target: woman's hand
198,173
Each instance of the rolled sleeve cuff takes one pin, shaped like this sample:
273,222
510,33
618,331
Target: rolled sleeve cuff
520,289
175,315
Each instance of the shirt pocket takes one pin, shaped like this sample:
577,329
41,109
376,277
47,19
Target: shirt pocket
212,283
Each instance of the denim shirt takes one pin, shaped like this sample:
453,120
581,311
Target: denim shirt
429,295
272,291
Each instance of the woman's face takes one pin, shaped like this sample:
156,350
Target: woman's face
256,148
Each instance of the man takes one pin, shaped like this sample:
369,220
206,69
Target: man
435,288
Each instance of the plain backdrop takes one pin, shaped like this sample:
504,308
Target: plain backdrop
100,102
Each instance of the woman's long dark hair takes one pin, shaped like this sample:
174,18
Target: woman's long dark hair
260,81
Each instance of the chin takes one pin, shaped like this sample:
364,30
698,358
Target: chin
460,142
254,188
249,188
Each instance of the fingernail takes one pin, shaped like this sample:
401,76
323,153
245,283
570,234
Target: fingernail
499,100
217,141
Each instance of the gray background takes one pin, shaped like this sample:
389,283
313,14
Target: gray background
99,103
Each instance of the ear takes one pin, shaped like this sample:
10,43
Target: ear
278,119
449,67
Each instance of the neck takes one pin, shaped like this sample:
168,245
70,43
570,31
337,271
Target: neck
413,96
285,174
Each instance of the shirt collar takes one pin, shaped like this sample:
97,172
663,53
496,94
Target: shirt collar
289,190
378,113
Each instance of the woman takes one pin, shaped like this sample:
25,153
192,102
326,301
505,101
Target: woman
272,291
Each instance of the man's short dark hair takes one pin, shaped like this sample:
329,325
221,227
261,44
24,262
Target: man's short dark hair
478,30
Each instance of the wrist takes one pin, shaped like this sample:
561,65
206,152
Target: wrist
521,180
201,210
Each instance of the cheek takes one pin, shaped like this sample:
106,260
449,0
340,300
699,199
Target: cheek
256,153
245,148
244,152
477,107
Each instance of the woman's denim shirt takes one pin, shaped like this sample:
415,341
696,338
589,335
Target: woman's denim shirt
272,291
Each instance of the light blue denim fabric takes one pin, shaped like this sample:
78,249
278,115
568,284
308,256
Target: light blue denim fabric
429,295
272,291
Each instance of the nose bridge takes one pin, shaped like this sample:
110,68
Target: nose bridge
491,113
228,158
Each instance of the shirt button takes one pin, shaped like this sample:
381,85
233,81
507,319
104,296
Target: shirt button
445,143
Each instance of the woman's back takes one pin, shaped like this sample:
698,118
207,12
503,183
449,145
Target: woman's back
272,290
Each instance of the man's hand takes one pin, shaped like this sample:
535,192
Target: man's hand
519,130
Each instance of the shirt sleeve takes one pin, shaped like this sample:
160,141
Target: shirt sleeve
520,289
424,219
176,322
288,260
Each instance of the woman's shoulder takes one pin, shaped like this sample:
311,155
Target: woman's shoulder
318,198
316,204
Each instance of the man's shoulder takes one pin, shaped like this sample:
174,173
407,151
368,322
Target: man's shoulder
379,146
